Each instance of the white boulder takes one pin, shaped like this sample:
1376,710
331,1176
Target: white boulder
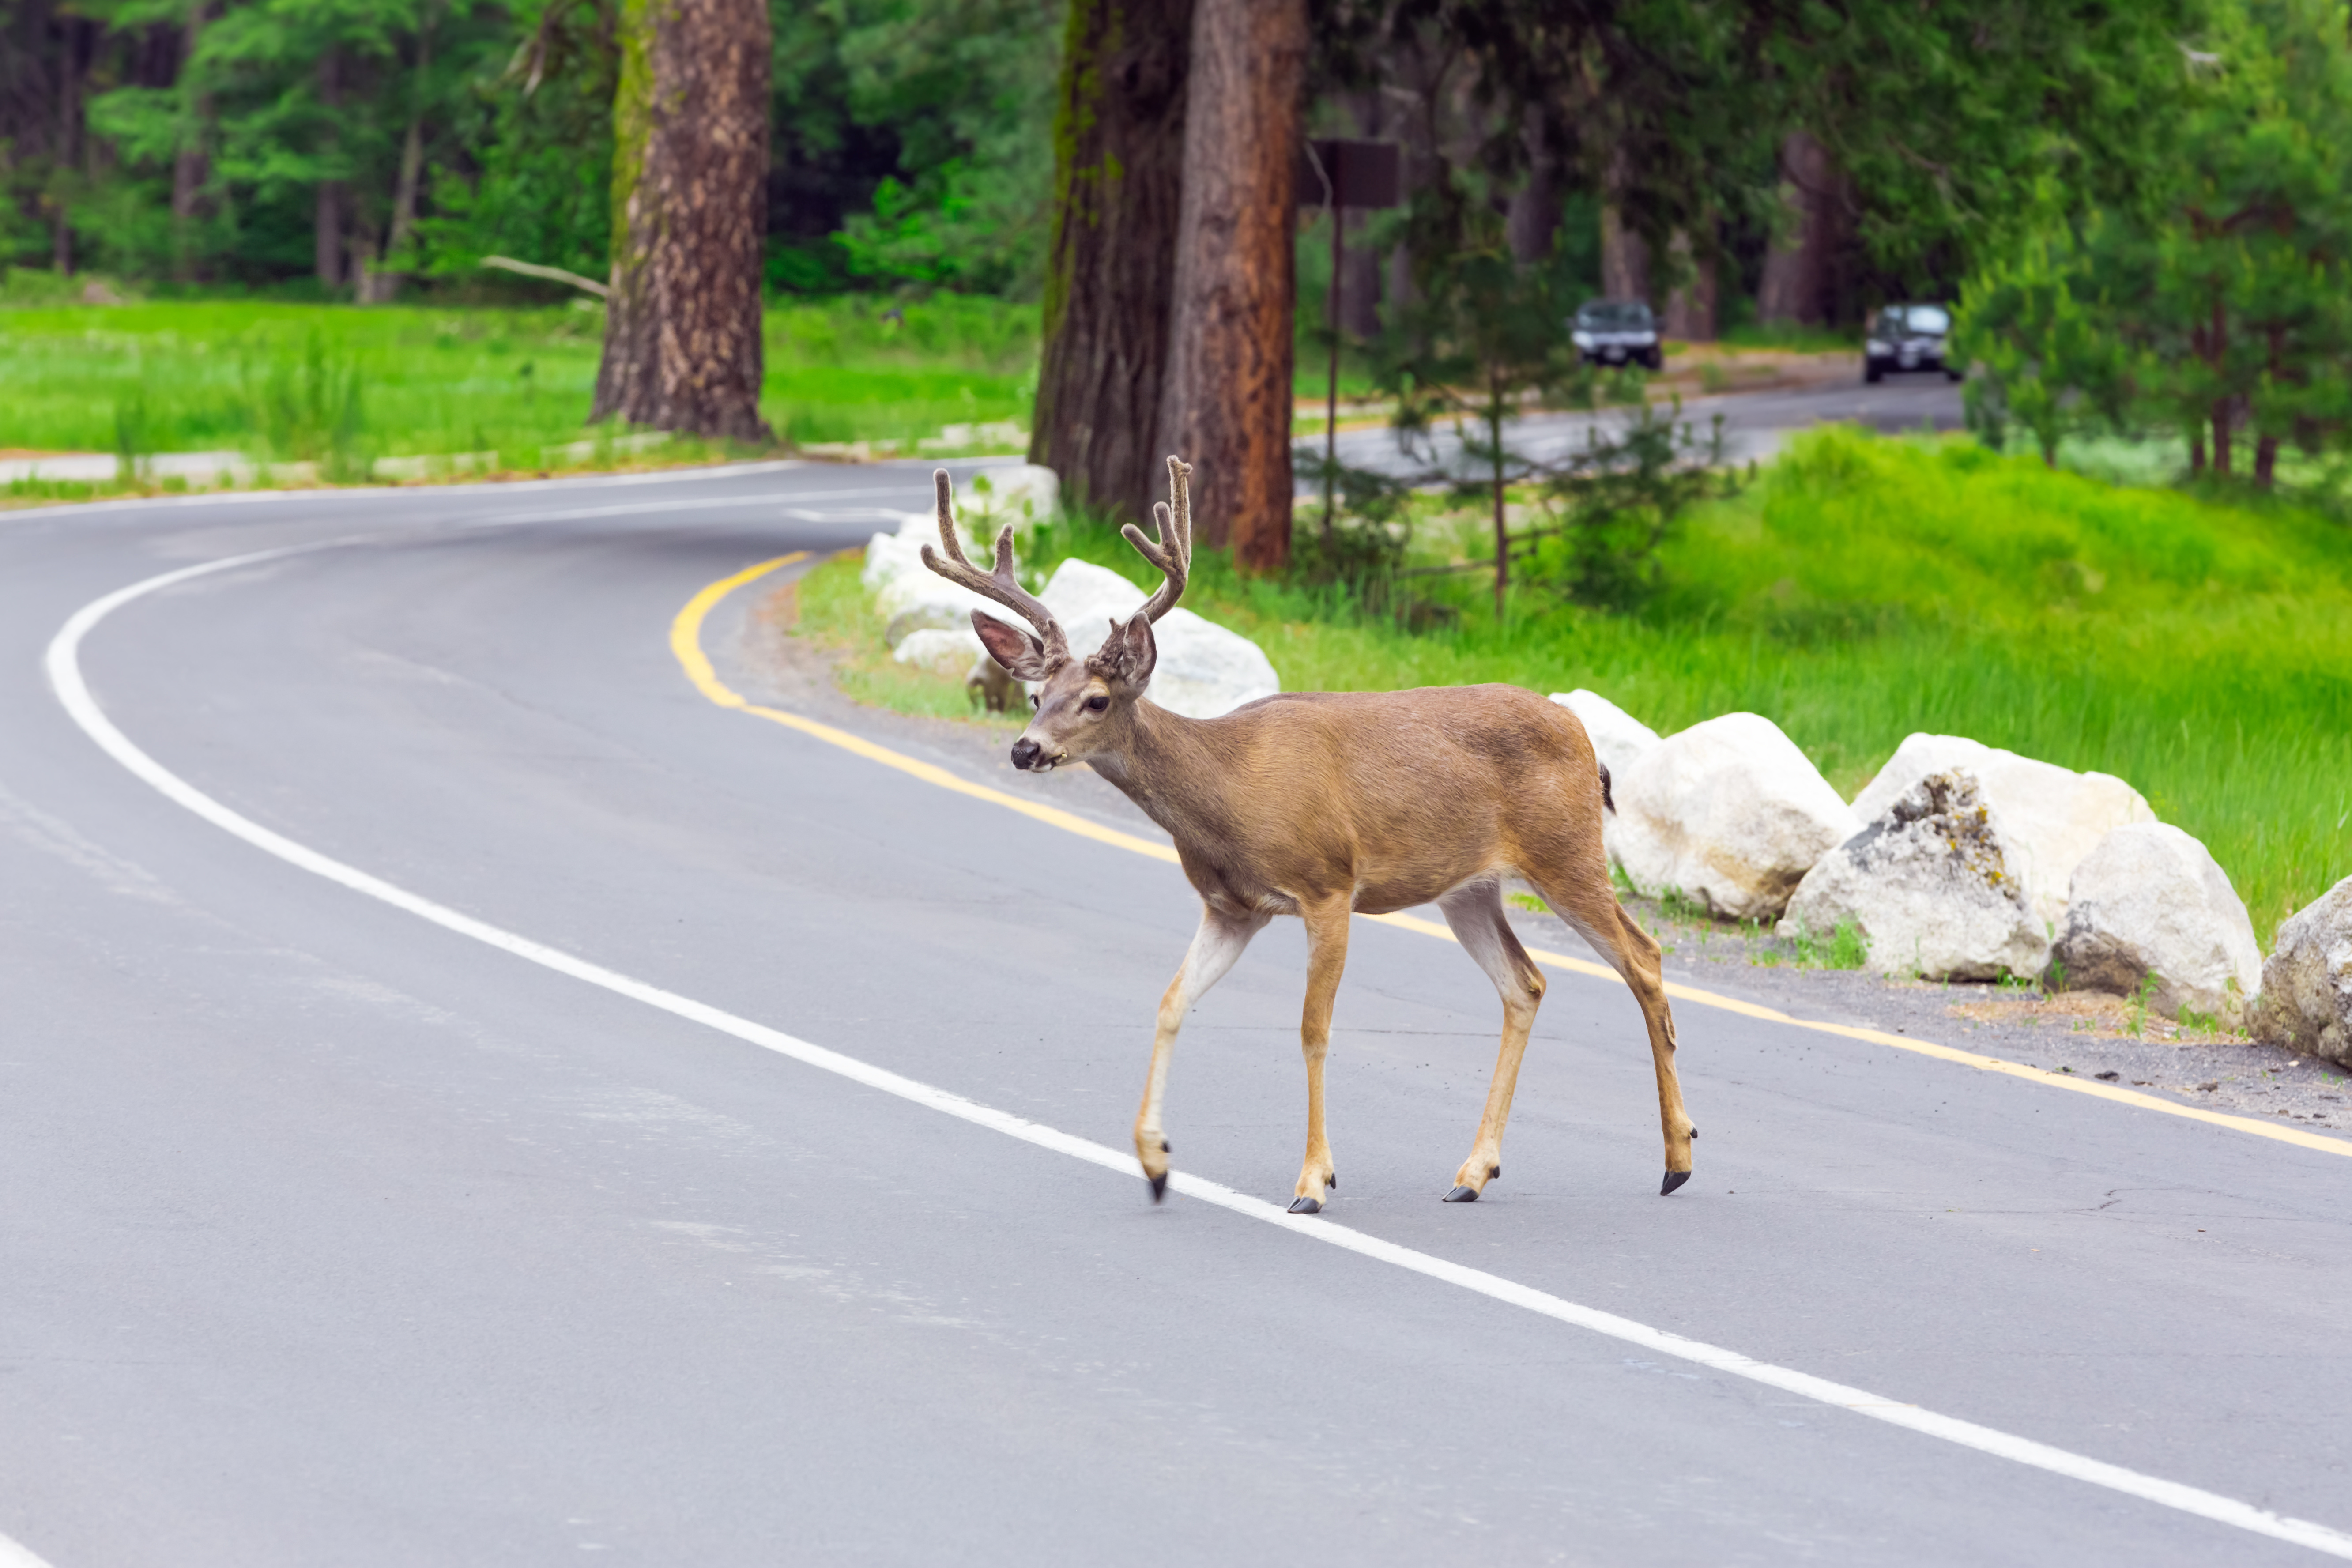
1730,812
1203,670
1618,738
2051,816
1020,494
2150,901
1928,883
889,557
909,595
2307,1001
993,498
947,651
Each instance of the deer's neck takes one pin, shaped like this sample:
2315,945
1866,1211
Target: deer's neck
1169,768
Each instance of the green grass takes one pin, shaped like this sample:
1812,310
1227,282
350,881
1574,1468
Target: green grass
1789,335
834,610
2198,648
246,375
872,370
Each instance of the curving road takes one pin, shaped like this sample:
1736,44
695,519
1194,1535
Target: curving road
332,1233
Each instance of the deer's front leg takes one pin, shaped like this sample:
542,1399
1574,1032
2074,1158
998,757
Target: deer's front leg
1327,955
1215,947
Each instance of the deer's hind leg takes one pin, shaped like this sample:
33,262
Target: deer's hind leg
1587,902
1216,946
1475,912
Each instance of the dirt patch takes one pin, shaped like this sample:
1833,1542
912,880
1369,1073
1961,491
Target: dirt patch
2086,1034
2096,1013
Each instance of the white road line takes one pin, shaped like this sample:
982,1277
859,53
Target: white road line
63,664
778,503
376,492
918,478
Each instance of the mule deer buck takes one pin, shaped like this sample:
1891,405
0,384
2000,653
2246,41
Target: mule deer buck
1316,803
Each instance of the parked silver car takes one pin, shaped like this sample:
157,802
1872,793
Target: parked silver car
1616,332
1907,337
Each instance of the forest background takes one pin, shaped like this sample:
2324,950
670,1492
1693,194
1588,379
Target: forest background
2140,210
294,147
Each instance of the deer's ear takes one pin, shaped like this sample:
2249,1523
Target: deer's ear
1130,653
1020,653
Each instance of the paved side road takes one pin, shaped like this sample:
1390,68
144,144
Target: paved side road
1756,425
332,1235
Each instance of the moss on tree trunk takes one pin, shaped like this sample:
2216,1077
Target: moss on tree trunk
1118,181
682,346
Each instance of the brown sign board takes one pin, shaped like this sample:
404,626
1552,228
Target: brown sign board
1366,173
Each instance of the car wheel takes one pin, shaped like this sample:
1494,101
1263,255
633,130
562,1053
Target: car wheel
1951,374
1873,372
1655,358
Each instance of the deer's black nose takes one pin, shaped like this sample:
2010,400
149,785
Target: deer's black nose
1024,754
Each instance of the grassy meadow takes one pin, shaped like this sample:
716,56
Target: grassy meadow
346,385
1865,588
2199,646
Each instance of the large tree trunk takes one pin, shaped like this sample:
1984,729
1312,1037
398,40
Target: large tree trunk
70,67
1533,219
1690,308
682,346
190,165
1624,256
2266,444
326,213
1800,266
1118,181
378,287
2217,352
1227,408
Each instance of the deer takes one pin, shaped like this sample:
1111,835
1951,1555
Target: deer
1320,805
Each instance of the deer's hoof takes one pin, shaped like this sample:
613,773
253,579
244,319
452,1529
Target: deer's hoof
1305,1206
1463,1196
1673,1179
1159,1186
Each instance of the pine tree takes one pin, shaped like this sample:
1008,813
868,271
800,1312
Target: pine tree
1118,178
682,343
1227,408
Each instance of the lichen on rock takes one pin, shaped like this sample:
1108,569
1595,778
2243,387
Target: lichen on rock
2306,1000
1931,884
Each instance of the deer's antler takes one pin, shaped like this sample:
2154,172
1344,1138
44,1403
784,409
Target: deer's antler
1172,551
1001,585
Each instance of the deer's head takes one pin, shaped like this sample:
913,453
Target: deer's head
1083,707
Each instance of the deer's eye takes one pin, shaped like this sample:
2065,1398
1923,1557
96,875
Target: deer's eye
1097,702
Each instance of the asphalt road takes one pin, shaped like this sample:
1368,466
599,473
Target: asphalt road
330,1235
1755,423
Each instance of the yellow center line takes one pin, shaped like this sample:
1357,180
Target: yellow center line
686,642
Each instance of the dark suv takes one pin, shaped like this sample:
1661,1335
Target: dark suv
1618,332
1907,337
